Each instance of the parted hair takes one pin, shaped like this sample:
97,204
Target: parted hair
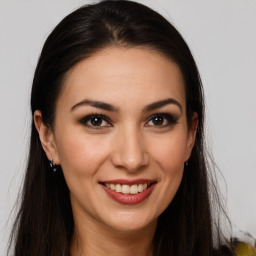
44,224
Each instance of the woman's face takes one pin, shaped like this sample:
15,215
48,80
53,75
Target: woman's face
121,137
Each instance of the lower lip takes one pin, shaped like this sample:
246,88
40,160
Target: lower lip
128,198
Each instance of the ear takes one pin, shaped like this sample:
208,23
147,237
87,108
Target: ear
191,135
46,137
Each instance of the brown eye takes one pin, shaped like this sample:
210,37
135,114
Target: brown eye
96,121
158,120
162,120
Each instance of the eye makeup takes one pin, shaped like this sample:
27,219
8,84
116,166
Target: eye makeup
95,120
158,120
162,120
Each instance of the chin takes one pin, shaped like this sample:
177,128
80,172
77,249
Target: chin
128,222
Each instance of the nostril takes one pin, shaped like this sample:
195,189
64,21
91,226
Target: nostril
130,163
129,153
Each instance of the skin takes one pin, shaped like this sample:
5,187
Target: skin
128,145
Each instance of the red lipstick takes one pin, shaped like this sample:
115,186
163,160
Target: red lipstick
128,182
127,198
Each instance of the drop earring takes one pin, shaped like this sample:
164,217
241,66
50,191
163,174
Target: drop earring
53,165
186,163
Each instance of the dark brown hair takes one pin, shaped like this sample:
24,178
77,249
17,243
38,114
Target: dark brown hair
44,224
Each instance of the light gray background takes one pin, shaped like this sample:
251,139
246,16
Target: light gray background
222,37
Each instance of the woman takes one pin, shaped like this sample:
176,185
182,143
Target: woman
117,160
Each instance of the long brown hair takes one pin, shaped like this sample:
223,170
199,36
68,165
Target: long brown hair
44,224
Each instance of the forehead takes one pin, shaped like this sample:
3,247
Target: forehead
118,74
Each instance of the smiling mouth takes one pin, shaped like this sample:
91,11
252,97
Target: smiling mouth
128,192
128,189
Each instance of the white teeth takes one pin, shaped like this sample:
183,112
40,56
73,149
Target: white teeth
118,188
134,189
140,188
113,186
126,189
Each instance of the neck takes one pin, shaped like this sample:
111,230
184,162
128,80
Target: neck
91,240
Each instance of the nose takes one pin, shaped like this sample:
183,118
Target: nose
130,151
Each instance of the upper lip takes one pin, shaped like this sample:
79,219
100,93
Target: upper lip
128,182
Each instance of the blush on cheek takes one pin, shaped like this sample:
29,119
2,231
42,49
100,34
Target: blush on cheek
80,158
170,187
171,157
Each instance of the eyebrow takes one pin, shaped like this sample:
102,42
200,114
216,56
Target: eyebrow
96,104
111,108
162,103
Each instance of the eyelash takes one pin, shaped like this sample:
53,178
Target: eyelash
171,120
89,117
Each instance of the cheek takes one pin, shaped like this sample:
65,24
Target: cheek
169,154
170,151
81,155
171,160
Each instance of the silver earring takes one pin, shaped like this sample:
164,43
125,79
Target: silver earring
53,165
186,163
